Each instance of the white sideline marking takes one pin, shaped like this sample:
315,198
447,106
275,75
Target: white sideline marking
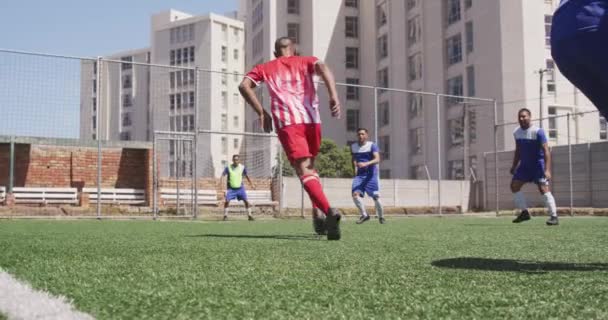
19,301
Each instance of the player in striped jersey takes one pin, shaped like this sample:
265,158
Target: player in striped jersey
295,110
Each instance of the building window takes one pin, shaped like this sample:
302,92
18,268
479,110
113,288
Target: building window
352,27
126,100
235,54
185,55
411,4
456,132
236,99
351,3
225,32
94,104
191,54
94,85
178,101
452,11
126,119
224,100
293,6
468,4
352,120
126,81
178,79
224,122
381,18
352,58
224,145
172,80
293,32
472,126
414,32
550,65
417,172
235,121
235,143
192,101
454,87
469,37
235,76
552,130
172,57
385,113
548,22
384,143
454,48
352,93
382,46
224,76
125,136
94,122
416,136
415,105
470,81
414,63
224,53
456,169
603,129
127,65
192,76
172,102
178,56
383,78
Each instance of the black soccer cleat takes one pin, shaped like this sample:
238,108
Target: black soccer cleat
523,216
362,219
382,221
332,224
225,218
552,221
318,224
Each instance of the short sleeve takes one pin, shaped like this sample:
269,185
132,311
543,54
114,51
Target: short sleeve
310,63
375,148
225,173
244,171
541,137
256,75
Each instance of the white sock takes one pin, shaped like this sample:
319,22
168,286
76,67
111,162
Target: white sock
249,211
550,204
225,211
379,209
520,201
360,206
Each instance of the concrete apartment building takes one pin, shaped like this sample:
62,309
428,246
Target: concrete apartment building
490,48
137,100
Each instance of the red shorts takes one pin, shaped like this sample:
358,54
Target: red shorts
300,140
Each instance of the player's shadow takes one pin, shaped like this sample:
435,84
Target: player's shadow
510,265
258,236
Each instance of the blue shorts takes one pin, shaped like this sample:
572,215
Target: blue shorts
366,184
535,175
238,194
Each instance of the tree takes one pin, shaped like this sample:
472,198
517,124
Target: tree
332,162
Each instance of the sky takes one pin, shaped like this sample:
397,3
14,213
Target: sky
41,96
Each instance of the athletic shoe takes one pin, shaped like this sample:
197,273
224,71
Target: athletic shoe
553,221
250,218
332,224
523,216
318,224
382,221
225,218
363,219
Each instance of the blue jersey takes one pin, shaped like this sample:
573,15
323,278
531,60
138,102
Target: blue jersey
530,143
365,153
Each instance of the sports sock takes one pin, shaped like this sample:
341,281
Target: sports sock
379,209
360,206
313,187
550,203
520,201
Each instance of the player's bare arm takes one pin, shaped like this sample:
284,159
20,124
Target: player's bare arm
250,182
246,90
375,160
547,161
328,78
515,160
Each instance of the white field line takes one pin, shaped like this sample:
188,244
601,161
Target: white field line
19,301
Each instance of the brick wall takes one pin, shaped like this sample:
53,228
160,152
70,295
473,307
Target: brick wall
64,166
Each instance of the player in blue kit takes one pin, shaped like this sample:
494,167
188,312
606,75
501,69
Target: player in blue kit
366,156
531,163
579,46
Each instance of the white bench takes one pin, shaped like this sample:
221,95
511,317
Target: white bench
117,195
45,195
169,196
2,193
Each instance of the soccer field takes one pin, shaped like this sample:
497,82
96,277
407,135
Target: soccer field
428,268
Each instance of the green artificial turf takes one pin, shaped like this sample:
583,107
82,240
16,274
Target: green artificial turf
429,268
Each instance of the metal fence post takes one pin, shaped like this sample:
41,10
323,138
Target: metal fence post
98,107
11,173
154,179
496,156
570,166
196,129
439,176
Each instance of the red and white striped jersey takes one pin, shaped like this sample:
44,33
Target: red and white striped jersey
293,95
